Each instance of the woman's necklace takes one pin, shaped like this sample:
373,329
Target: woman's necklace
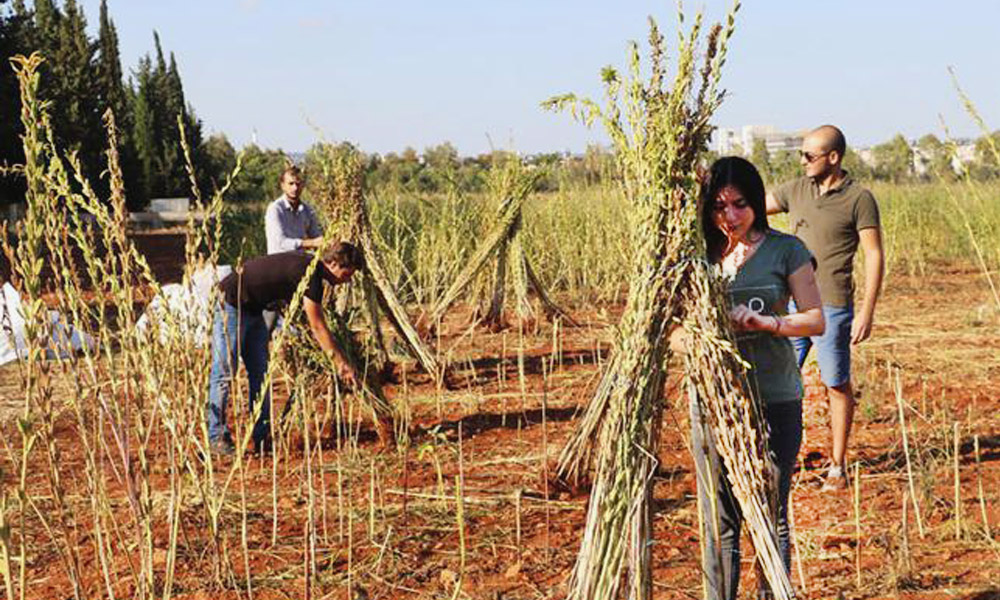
739,255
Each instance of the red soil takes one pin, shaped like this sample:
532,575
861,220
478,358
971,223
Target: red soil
522,533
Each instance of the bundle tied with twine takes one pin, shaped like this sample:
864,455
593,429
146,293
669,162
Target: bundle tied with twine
342,201
659,134
509,183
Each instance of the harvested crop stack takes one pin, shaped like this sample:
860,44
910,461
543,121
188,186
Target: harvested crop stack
342,202
510,184
362,356
507,180
659,130
716,377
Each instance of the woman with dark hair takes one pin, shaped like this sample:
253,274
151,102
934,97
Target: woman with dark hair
765,268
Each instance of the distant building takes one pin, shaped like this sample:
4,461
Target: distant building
727,141
866,155
164,212
965,154
730,141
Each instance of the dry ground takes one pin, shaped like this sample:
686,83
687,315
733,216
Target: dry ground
389,525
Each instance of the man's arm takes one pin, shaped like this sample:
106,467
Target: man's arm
321,333
313,229
279,241
772,204
871,245
311,243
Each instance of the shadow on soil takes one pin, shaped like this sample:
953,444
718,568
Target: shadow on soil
487,369
894,459
473,425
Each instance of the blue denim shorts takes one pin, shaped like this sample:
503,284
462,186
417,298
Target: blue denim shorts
833,348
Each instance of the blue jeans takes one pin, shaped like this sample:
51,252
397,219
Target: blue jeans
833,348
236,334
721,536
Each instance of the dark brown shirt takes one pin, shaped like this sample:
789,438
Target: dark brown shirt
829,223
269,282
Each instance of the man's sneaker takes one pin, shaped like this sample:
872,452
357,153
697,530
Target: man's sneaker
222,445
835,480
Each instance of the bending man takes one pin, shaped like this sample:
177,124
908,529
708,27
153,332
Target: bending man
268,282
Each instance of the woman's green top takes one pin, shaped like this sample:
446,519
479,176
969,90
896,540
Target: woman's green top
761,284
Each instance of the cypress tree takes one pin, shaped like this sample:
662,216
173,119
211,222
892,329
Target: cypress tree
176,105
68,79
113,94
165,134
143,128
109,69
160,100
82,78
47,19
14,31
73,65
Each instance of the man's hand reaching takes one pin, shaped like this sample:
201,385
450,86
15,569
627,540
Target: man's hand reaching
346,374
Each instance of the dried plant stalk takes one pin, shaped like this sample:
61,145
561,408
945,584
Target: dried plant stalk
716,375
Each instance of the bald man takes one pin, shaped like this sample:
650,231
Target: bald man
833,215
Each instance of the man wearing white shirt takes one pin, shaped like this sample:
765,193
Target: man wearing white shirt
290,224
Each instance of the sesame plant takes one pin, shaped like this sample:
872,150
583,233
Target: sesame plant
659,129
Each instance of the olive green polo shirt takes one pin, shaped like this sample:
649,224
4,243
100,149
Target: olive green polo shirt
829,223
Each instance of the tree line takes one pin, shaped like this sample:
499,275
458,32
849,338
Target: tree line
82,78
896,160
441,168
437,168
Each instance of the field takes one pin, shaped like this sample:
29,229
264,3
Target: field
119,504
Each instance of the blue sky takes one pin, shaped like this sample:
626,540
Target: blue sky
387,75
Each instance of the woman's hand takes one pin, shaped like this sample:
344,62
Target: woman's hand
679,340
745,319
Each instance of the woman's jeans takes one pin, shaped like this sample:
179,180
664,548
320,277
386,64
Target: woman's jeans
236,334
722,519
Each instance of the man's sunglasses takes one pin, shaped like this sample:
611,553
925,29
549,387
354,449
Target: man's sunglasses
810,157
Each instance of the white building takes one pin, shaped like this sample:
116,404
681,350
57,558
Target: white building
963,153
725,142
730,141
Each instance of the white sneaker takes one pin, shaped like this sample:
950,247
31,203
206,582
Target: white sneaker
835,480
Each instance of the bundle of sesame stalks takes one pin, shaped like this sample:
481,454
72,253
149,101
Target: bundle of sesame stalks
510,184
660,130
362,355
342,202
716,377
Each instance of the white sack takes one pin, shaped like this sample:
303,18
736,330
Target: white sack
189,309
65,339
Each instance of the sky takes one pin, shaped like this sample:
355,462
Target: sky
391,74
